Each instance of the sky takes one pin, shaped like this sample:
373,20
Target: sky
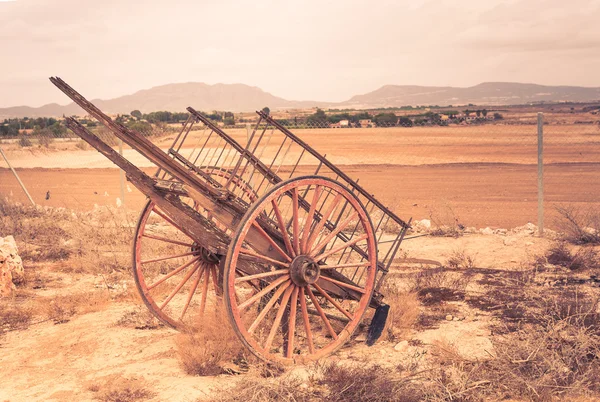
300,50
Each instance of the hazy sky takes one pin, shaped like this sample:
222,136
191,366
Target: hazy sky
307,49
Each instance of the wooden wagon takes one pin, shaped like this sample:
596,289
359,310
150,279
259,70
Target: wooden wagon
294,249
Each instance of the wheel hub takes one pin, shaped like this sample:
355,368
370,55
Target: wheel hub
206,255
304,270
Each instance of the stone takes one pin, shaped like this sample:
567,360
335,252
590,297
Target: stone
11,266
487,231
424,224
401,346
449,317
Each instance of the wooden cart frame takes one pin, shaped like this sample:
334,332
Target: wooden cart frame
294,249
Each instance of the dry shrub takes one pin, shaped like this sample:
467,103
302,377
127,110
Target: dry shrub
366,383
38,231
207,349
554,353
328,382
459,259
139,318
404,311
60,309
440,278
579,226
122,390
287,389
445,352
560,254
445,222
14,316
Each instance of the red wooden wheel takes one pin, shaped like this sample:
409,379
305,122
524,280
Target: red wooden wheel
177,278
302,296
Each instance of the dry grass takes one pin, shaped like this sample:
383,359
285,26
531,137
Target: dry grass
404,311
122,390
208,349
60,309
459,259
560,254
14,316
579,226
328,382
139,318
366,383
95,243
445,222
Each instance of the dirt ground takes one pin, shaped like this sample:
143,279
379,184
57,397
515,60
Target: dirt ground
70,360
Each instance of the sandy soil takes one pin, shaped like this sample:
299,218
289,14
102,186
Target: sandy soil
64,362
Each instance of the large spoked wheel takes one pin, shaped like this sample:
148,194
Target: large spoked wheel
302,296
177,278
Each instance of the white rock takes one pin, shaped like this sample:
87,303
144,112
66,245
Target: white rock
11,266
425,223
449,317
487,231
401,346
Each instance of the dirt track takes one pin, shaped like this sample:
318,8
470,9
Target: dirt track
497,195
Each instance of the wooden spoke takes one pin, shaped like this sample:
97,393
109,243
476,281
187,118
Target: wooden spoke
283,229
204,290
282,306
174,272
268,306
313,298
324,218
168,258
213,271
309,338
261,275
333,233
272,242
177,288
155,237
262,257
292,322
330,299
342,266
295,217
309,218
264,291
341,247
192,291
342,284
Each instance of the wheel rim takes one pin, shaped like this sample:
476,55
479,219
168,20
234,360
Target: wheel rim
177,278
288,306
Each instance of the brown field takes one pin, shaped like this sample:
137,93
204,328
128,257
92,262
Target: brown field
485,174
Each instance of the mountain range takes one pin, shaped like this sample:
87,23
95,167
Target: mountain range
244,98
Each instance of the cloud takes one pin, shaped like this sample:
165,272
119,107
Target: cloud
322,50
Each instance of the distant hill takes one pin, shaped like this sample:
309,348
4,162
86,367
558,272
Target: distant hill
244,98
488,93
174,98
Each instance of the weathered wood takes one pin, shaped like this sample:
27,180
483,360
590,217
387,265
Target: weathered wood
190,222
